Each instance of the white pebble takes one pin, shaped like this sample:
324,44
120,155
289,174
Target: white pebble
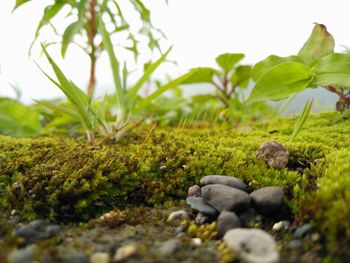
180,214
196,241
100,257
124,253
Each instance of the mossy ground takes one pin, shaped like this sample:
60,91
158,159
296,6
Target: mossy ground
67,180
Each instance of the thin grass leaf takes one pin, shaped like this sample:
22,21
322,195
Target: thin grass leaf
58,108
302,119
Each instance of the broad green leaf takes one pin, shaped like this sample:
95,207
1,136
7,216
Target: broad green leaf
172,84
271,61
227,61
280,82
132,93
19,3
201,75
241,76
69,34
319,44
17,119
107,42
78,98
333,70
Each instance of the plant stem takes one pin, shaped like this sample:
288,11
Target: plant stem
91,38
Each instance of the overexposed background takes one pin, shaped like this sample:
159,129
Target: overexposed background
198,29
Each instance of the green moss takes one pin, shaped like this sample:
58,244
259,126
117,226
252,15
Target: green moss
66,179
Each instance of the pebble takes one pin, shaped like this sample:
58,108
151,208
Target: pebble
281,226
226,221
124,253
196,241
294,244
180,229
274,154
302,230
197,204
24,255
223,197
76,257
224,180
201,219
100,257
267,200
169,247
178,215
252,245
52,230
38,224
194,191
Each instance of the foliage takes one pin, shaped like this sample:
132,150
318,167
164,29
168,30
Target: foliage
315,65
302,119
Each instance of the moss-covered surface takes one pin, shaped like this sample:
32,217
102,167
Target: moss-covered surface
67,180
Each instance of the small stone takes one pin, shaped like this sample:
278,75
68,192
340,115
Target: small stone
52,230
302,230
180,229
226,221
196,241
224,180
252,245
38,224
197,204
223,197
124,253
100,257
281,226
163,168
267,200
274,154
169,247
178,215
194,191
315,237
294,244
201,219
24,255
28,233
76,257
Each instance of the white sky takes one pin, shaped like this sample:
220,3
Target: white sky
199,30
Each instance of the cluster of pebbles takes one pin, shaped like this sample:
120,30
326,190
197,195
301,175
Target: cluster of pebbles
225,199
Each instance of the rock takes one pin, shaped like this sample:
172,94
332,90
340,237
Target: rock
196,241
302,230
100,257
226,221
53,230
281,226
180,229
28,233
125,252
38,224
267,200
201,219
223,197
194,191
76,257
24,255
252,245
224,180
294,244
169,247
197,204
178,215
274,154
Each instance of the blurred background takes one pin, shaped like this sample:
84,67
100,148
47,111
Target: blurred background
199,30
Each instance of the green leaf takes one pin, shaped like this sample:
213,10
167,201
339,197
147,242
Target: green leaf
271,61
132,93
302,119
227,61
172,84
107,42
142,10
319,44
201,75
17,119
241,76
69,34
333,70
19,3
280,82
58,108
78,98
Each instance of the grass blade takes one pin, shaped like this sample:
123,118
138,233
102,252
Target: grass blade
302,119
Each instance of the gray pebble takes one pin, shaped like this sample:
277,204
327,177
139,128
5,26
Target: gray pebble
302,230
194,191
267,200
225,180
223,197
24,255
201,219
53,230
252,245
76,257
38,224
274,154
180,229
294,244
28,233
169,247
197,204
226,221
